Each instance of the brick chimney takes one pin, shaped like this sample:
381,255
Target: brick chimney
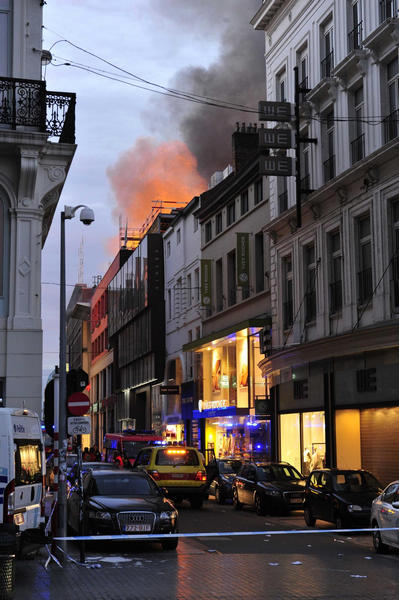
245,145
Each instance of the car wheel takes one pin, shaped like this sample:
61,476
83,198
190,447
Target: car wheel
260,506
170,544
219,496
308,516
196,502
236,503
378,544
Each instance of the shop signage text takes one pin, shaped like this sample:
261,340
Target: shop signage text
242,259
275,111
206,282
211,404
169,390
276,165
275,138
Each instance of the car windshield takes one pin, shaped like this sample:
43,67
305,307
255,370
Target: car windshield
228,467
123,485
355,481
173,457
277,473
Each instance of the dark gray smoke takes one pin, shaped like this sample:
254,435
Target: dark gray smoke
237,76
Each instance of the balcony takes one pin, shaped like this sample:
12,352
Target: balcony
329,168
327,65
335,297
391,126
358,149
365,285
27,103
355,37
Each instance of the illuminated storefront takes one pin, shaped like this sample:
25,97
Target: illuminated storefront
302,440
231,385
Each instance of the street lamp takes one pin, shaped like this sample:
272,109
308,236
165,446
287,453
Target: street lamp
87,217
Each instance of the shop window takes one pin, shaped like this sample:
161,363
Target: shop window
290,439
366,380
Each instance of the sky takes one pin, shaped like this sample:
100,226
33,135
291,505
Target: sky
137,147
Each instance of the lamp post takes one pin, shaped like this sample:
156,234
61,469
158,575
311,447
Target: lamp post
87,217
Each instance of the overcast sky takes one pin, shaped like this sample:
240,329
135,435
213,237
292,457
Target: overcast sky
134,146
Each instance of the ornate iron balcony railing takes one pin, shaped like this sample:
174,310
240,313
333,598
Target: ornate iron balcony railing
355,37
358,150
327,65
391,126
26,103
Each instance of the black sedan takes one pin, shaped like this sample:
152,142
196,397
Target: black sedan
340,496
221,475
122,502
86,466
273,488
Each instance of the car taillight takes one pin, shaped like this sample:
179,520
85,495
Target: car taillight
9,502
200,476
155,475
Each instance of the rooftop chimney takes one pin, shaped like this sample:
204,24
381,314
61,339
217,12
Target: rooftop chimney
245,145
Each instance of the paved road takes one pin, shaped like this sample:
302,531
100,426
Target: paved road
311,566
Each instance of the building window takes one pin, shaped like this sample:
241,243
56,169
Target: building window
219,223
196,285
178,237
231,213
387,9
303,71
219,285
5,38
335,272
259,262
356,26
258,191
195,222
327,52
328,146
365,273
169,304
208,232
391,125
167,249
178,299
190,357
395,248
357,143
231,278
310,282
189,290
305,162
244,202
281,86
282,194
288,308
366,380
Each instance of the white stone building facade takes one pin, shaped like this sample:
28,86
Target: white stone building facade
32,172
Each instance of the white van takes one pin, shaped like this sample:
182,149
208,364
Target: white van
22,470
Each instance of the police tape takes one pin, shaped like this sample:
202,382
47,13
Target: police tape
160,536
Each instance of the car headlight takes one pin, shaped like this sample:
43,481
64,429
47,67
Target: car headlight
98,514
168,516
354,508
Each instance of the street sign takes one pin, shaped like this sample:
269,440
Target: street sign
275,138
263,406
79,425
78,404
275,111
276,165
169,390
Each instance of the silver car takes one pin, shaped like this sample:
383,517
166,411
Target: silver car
385,514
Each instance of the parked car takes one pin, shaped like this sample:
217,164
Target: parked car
86,466
273,488
340,496
118,501
178,469
221,473
385,514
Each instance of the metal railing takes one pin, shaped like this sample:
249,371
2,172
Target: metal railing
365,285
355,37
335,297
310,306
282,202
327,65
329,168
288,314
26,103
358,148
390,125
387,9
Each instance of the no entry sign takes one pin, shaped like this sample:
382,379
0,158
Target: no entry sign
78,404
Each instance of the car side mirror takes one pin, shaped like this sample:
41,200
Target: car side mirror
164,491
395,504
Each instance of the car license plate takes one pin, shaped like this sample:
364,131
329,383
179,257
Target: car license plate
137,527
177,476
296,500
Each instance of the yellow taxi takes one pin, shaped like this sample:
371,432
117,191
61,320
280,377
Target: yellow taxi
178,469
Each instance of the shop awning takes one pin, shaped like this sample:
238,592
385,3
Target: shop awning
256,322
